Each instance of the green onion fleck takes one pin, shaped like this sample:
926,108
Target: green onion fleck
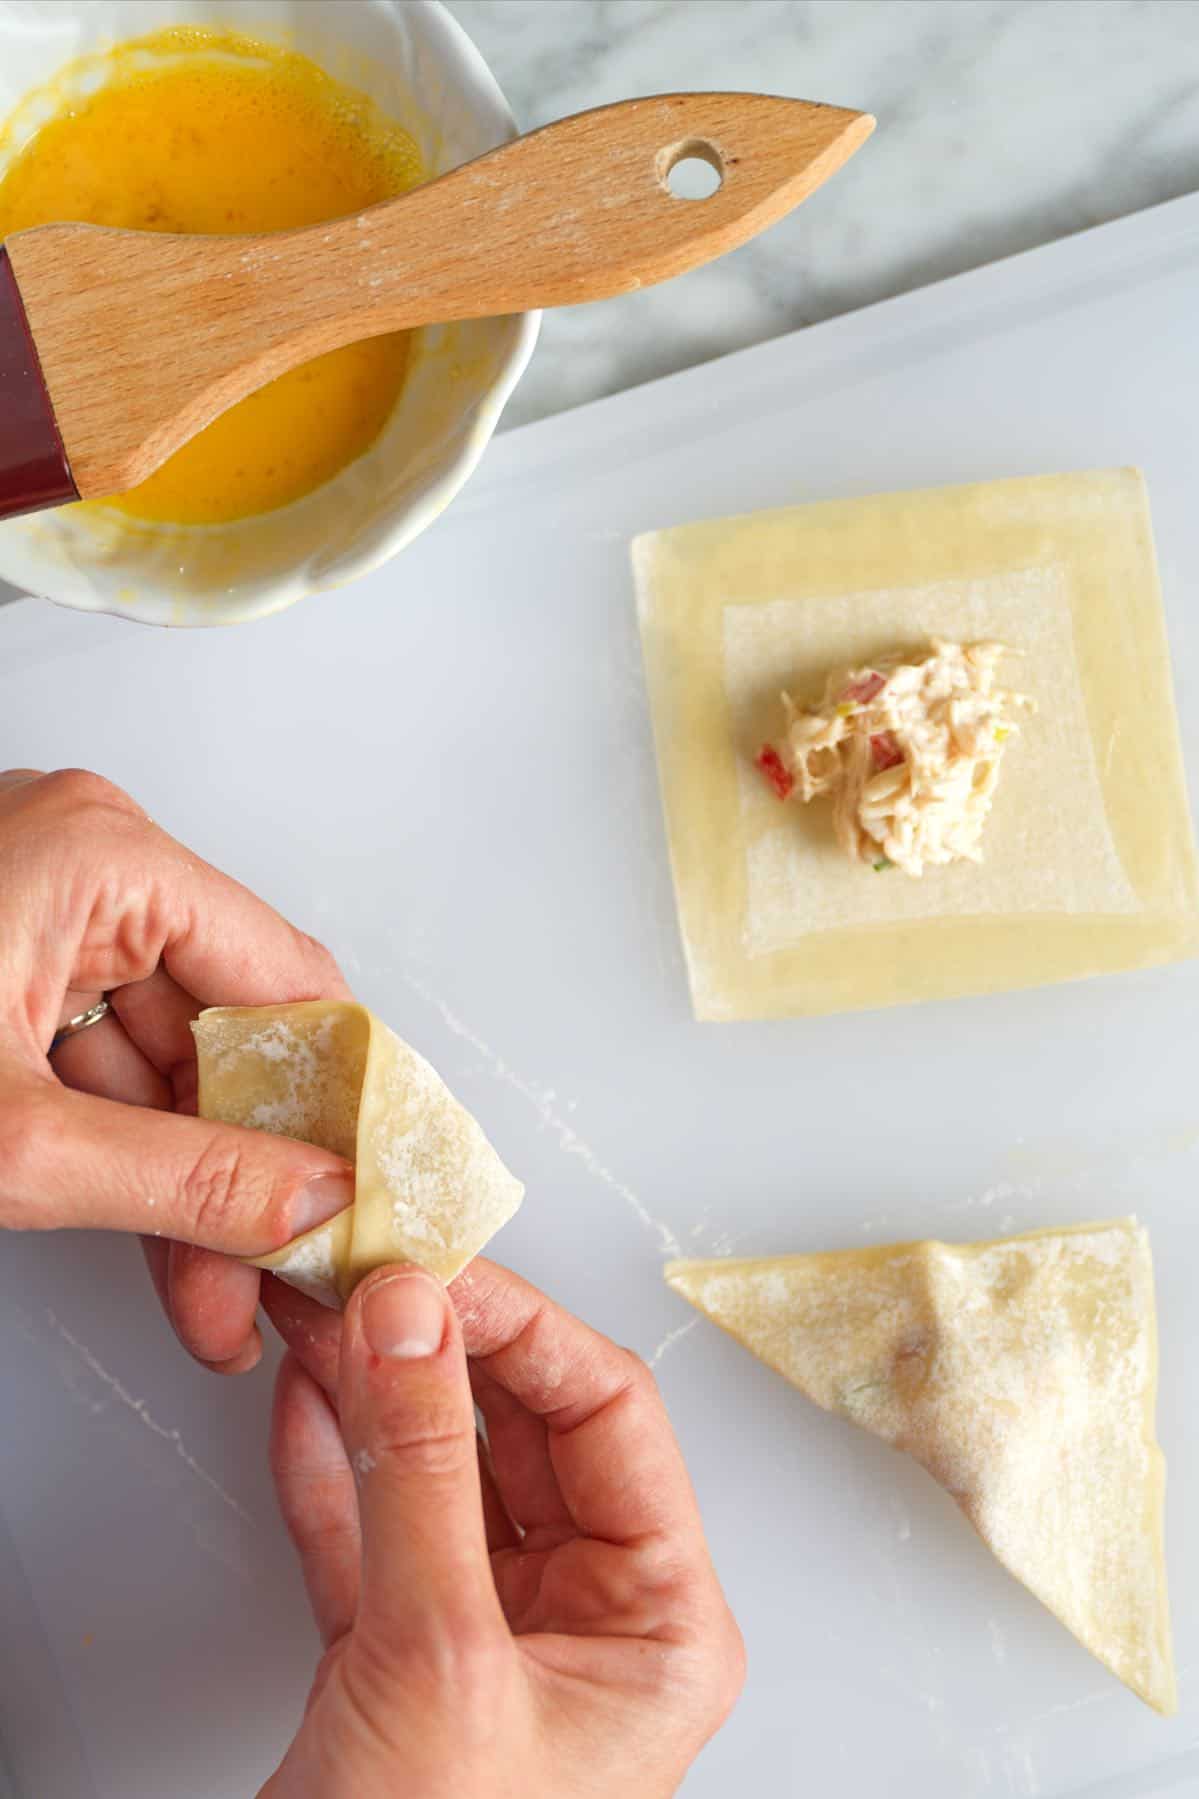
884,862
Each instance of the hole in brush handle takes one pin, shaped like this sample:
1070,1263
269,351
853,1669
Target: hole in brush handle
691,170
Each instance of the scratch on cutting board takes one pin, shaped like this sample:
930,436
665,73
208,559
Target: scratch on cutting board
1024,1191
1021,1769
1069,1705
669,1340
719,1243
542,1099
138,1408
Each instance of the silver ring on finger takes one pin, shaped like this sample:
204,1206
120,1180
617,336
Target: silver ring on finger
80,1022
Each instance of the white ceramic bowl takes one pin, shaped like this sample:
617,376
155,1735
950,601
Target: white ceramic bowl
418,64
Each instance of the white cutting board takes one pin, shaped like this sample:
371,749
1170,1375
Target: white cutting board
447,772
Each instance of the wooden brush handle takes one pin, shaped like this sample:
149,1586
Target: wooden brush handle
143,338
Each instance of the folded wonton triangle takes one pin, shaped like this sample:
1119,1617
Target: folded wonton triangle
429,1188
1022,1374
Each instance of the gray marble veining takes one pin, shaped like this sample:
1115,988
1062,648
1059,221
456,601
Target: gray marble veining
1001,124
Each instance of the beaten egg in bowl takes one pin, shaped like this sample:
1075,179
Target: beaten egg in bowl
319,478
210,131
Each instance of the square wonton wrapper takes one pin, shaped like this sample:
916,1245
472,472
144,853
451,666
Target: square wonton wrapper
1089,860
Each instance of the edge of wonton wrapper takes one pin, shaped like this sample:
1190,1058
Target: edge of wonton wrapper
429,1187
882,1369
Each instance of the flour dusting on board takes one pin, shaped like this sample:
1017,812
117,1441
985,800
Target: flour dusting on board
542,1098
669,1340
140,1410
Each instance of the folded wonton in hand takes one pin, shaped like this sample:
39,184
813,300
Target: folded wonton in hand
429,1188
1022,1374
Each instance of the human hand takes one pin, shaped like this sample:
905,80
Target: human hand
537,1619
95,899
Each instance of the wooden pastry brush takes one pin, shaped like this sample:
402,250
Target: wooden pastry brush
118,346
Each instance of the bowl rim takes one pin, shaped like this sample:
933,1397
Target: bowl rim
442,489
453,46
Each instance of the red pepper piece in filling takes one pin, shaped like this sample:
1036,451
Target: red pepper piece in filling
867,689
885,750
771,765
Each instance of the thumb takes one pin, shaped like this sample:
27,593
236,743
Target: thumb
69,1159
409,1425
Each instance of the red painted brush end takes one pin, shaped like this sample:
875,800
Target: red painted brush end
33,464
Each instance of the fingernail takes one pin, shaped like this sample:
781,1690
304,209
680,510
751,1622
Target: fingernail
247,1358
404,1316
321,1200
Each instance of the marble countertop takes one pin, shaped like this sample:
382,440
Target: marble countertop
1001,124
